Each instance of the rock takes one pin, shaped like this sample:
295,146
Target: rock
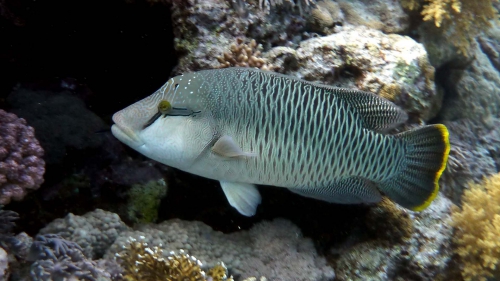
386,16
275,249
439,48
204,30
61,120
424,256
94,232
472,93
393,66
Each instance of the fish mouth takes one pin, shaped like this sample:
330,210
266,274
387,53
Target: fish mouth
125,134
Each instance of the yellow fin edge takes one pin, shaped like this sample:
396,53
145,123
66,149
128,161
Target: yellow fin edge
446,139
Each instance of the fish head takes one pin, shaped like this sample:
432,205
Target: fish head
170,126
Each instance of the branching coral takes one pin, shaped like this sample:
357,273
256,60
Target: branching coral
244,55
477,226
439,10
144,263
462,19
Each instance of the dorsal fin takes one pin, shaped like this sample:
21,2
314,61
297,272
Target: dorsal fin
376,112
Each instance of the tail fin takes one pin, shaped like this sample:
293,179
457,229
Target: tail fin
427,150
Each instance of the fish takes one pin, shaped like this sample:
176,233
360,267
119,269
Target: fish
246,127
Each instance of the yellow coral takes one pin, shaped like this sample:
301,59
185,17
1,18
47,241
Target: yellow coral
461,19
477,226
218,272
143,263
438,10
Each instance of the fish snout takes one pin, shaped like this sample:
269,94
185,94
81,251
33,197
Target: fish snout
124,129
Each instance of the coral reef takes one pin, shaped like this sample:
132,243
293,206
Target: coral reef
58,259
94,232
21,163
386,16
473,155
141,262
477,225
461,20
267,3
425,255
244,55
273,249
467,17
470,109
7,219
205,29
324,16
345,43
388,222
393,66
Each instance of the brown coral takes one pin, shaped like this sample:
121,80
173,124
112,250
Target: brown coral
477,229
244,55
143,263
389,223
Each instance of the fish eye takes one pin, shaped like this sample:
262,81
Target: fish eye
164,107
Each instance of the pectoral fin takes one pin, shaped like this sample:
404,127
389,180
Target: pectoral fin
244,197
352,190
227,147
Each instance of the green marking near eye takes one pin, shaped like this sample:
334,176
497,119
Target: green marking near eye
164,107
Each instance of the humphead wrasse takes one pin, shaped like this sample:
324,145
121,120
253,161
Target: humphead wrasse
244,127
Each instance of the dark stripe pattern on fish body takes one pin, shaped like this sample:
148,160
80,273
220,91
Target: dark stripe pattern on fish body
258,127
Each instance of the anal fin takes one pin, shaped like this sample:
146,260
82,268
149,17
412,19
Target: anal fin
244,197
352,190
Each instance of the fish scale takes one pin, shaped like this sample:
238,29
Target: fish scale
244,127
341,163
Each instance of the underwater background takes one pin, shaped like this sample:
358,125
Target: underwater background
80,205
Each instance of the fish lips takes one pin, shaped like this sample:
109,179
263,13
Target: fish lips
125,134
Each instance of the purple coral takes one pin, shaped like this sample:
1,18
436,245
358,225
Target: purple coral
21,163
